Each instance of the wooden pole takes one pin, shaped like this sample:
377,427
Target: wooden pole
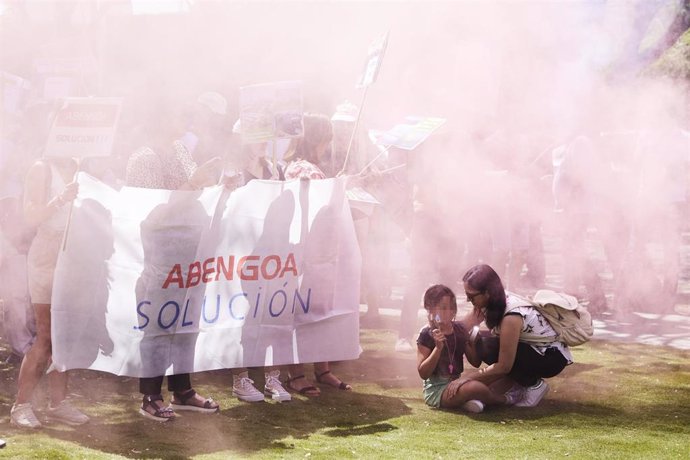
354,131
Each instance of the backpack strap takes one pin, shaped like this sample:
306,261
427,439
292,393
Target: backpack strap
535,338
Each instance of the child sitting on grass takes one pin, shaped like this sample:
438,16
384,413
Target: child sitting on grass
440,349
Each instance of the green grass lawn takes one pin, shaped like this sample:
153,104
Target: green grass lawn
617,401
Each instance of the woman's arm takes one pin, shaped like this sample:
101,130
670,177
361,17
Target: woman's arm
36,207
204,175
427,359
471,352
510,333
472,318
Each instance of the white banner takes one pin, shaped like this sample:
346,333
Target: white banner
154,282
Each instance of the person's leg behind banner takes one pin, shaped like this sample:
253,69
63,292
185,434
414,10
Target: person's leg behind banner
422,271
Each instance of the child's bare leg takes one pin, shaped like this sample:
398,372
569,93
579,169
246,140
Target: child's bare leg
460,391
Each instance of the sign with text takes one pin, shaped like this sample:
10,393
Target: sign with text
155,282
374,59
14,90
411,134
271,111
61,77
84,127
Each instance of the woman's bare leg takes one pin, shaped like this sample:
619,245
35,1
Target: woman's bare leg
36,360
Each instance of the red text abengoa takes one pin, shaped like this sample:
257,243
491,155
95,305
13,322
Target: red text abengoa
249,268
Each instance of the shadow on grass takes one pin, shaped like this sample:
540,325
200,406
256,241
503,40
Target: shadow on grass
239,429
376,428
606,388
560,414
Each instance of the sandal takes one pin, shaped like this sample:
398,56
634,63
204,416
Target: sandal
160,414
341,386
209,407
309,390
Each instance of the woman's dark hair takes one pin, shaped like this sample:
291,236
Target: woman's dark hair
435,293
484,279
317,129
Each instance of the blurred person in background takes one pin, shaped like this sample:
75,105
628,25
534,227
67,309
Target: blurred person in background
372,222
579,188
651,283
437,241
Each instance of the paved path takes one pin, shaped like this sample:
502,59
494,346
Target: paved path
671,330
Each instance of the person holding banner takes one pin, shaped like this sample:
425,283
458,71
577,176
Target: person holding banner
170,166
253,163
310,151
49,188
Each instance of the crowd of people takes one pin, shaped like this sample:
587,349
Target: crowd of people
458,200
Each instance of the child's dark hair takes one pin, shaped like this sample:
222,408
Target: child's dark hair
435,293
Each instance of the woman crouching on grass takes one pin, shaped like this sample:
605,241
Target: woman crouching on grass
440,349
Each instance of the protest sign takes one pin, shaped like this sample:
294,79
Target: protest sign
271,111
411,134
361,200
60,77
374,59
14,90
84,127
157,282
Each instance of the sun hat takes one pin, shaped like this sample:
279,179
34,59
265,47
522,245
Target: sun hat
345,111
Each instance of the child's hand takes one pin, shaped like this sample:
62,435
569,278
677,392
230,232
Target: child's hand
439,338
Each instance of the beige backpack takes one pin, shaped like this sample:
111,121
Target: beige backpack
571,321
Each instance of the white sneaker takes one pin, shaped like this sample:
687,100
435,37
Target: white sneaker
474,406
534,394
274,388
403,346
515,394
22,415
243,388
66,413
